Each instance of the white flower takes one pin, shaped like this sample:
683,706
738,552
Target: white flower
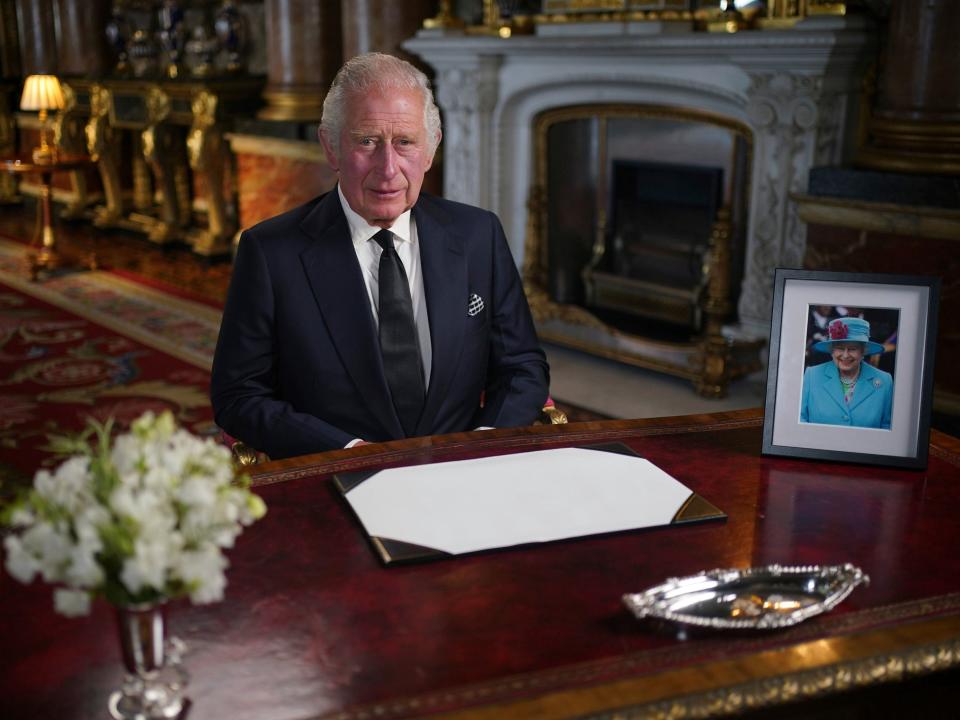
146,508
50,547
83,570
20,563
202,571
21,517
145,514
210,589
148,566
71,603
197,492
125,455
67,487
87,524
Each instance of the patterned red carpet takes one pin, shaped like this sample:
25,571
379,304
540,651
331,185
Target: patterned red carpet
93,344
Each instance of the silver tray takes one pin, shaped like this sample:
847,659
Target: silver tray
768,597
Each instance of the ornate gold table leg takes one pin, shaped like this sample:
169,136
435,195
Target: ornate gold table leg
69,140
205,147
157,149
102,147
142,182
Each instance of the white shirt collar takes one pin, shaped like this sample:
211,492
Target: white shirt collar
361,230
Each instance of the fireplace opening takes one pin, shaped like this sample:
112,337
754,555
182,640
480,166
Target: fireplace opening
627,198
653,261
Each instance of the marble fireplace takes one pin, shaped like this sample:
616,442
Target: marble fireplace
793,93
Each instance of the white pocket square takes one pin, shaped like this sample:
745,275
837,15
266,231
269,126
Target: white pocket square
475,305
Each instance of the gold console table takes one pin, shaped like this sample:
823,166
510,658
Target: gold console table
160,153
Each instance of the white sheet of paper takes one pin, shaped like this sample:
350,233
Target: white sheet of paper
469,505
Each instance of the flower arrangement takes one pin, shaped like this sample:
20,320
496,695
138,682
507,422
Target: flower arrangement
138,521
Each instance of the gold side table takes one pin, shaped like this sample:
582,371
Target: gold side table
46,257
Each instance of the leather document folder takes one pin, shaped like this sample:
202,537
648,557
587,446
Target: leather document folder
452,508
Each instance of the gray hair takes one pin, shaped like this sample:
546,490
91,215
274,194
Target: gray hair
377,71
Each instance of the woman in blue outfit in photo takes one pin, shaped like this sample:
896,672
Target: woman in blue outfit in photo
845,390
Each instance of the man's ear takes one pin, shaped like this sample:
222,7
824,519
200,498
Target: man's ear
328,148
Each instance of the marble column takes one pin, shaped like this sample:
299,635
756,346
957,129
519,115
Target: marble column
915,125
303,55
81,40
381,25
38,50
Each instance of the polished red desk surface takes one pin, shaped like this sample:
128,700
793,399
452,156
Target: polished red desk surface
314,626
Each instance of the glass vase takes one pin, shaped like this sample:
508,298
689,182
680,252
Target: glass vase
155,680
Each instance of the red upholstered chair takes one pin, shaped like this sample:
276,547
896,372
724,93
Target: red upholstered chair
244,455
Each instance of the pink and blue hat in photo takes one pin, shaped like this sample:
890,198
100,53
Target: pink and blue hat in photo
849,329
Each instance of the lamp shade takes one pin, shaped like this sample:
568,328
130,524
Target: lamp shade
41,92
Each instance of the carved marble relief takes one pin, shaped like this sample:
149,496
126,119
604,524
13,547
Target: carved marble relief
795,126
468,96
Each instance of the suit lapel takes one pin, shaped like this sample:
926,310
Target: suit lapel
444,264
333,272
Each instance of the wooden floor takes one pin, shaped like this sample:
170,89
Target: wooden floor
173,264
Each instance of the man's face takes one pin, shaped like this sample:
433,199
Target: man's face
382,154
847,356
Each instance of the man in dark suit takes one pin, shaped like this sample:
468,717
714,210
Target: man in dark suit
336,332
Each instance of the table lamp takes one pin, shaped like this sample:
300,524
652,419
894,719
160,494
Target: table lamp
43,93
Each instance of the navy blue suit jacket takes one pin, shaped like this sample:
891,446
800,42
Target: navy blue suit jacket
298,368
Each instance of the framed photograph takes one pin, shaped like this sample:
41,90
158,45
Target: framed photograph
850,372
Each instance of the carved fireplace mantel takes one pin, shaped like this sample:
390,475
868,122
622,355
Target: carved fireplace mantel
795,90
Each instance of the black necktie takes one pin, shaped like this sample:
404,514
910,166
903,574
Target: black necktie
398,336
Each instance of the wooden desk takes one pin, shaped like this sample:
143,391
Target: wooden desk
47,257
313,626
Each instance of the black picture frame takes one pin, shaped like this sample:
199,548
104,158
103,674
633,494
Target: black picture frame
911,303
